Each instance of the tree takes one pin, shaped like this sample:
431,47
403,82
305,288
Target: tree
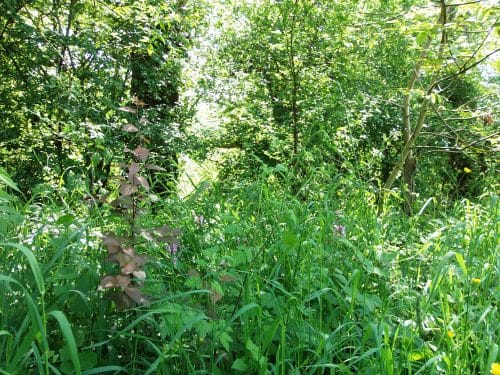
66,69
461,63
282,60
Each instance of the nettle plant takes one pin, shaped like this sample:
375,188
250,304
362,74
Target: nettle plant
124,287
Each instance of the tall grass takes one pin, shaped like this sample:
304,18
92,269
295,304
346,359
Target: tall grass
265,283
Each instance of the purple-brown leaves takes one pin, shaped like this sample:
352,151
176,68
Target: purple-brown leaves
112,244
127,189
136,295
131,184
117,281
130,277
133,169
142,181
122,203
127,297
128,109
126,257
121,300
129,128
123,286
141,152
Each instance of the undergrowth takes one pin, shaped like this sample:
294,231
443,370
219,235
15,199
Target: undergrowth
262,281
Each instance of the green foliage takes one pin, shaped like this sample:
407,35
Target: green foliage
281,264
262,282
307,84
65,70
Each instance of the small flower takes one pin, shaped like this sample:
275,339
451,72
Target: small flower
467,170
339,230
450,334
173,248
199,219
495,368
475,280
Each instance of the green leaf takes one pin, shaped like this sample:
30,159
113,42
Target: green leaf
70,339
422,37
232,229
5,196
65,273
492,356
36,320
419,354
150,49
242,255
290,240
35,268
88,359
88,282
4,177
461,262
268,333
22,350
239,365
253,349
226,340
103,369
66,220
243,310
4,333
193,282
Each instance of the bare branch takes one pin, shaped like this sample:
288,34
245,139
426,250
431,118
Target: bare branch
480,140
461,4
459,149
465,69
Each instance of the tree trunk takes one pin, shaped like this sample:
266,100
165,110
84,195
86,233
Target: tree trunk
407,162
408,177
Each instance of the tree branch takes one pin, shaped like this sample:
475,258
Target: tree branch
465,68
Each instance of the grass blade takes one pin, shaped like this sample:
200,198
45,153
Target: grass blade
70,339
4,177
35,268
100,370
243,310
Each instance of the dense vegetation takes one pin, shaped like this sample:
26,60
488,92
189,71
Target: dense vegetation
263,187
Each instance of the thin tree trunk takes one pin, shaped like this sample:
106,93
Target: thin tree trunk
407,162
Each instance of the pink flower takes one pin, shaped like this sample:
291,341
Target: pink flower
339,230
173,248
